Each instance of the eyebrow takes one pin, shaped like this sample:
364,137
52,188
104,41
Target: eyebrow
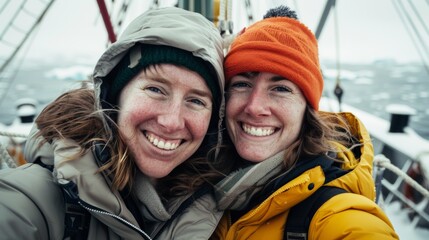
275,78
278,78
193,90
202,93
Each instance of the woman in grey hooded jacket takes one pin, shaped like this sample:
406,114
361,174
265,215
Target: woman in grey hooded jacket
127,158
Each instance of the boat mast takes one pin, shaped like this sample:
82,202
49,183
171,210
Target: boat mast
106,19
329,5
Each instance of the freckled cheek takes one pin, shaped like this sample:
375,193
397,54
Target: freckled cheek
296,114
134,113
233,106
198,124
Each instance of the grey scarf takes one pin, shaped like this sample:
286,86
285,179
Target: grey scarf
235,191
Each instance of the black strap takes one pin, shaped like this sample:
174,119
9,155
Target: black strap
38,161
76,222
299,218
77,218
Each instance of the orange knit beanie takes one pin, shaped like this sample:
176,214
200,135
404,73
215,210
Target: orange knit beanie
282,46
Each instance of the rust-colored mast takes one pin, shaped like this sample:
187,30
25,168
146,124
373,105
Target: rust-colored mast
106,20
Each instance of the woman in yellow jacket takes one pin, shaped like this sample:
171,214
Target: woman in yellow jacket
288,149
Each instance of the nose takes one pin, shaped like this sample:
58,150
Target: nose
172,117
257,104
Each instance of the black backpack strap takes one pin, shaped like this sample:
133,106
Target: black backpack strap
76,222
299,218
77,218
39,162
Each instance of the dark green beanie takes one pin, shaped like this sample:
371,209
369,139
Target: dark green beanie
158,54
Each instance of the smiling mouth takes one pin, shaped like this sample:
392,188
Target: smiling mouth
257,131
163,143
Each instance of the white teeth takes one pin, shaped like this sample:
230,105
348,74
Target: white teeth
255,131
162,144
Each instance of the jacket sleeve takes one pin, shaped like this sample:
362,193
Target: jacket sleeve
351,216
31,204
34,149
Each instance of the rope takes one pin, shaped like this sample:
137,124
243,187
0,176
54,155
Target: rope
419,17
8,134
337,46
229,16
222,17
249,11
4,156
382,161
222,10
403,16
338,90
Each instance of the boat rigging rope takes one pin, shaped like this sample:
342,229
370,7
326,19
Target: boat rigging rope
9,134
403,16
383,162
225,23
221,17
225,15
4,156
249,11
229,17
419,17
338,91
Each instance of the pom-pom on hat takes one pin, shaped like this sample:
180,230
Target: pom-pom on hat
142,56
279,45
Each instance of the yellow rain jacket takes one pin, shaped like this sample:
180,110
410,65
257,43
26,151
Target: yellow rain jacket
263,213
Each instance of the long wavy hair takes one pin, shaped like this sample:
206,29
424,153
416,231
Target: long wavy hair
75,115
320,134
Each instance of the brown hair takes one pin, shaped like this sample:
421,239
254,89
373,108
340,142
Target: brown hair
320,130
74,115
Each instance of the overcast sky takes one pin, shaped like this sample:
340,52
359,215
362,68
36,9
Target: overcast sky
368,29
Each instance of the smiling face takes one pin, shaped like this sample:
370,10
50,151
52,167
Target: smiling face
164,115
264,114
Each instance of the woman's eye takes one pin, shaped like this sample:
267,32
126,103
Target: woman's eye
282,89
154,89
239,85
197,102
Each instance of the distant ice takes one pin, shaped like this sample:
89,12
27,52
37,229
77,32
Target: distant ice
70,73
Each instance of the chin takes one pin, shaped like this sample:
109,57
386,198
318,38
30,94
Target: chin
251,157
155,173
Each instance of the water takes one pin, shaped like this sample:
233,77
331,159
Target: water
43,83
368,87
374,87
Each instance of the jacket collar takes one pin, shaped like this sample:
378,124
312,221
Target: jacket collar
235,191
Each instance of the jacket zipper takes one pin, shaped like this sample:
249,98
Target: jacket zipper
71,196
91,208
